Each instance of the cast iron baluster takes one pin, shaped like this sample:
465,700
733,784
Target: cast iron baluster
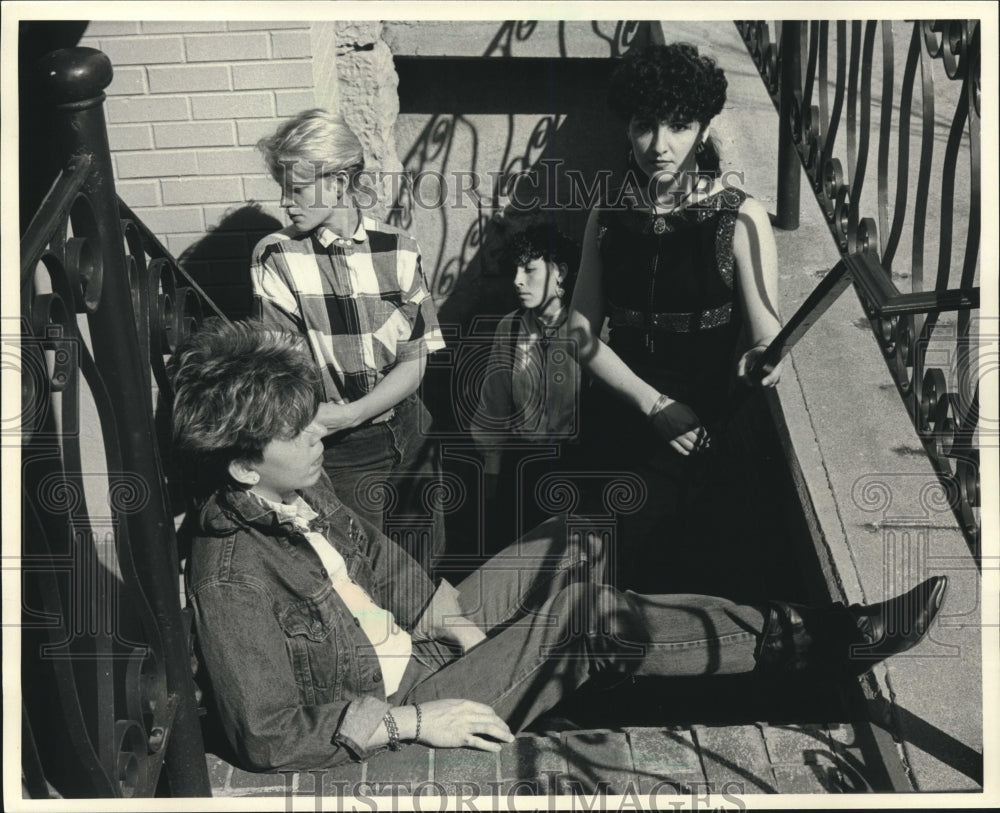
971,93
88,640
823,86
831,177
926,158
146,547
853,79
810,112
903,323
862,233
903,158
789,124
884,136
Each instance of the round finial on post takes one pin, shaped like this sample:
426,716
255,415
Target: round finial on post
71,76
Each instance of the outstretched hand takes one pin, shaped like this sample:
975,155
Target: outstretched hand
455,723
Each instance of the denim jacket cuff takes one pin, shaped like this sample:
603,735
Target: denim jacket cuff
359,722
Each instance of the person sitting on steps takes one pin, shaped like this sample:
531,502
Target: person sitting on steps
325,642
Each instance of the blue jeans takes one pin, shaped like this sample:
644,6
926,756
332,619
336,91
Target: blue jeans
389,473
552,625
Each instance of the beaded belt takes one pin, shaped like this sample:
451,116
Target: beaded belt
671,322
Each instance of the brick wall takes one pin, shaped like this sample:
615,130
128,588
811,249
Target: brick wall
188,102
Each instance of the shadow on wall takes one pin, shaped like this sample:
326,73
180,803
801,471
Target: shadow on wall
495,135
479,165
220,261
489,145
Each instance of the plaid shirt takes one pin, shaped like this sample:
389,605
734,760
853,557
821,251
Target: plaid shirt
361,302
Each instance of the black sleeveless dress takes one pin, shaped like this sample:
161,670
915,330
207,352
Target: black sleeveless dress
675,319
671,301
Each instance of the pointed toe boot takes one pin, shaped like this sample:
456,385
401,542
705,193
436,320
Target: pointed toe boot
895,625
847,640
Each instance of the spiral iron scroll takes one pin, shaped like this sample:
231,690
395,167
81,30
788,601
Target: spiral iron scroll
944,413
90,628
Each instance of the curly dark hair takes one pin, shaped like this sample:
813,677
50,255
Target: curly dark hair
546,241
671,83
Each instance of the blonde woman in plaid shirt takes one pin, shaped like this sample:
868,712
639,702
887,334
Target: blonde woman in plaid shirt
354,288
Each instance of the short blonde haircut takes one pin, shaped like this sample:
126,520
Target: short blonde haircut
315,136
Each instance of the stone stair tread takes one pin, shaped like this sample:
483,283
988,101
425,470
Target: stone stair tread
738,759
735,757
663,758
597,759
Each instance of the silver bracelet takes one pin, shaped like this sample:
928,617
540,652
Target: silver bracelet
416,737
393,729
661,403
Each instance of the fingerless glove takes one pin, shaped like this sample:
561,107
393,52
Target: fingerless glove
672,418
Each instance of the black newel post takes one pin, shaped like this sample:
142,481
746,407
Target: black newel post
74,79
789,166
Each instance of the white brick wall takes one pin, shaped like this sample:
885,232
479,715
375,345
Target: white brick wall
188,102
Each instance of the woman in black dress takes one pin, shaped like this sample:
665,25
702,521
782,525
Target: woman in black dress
683,265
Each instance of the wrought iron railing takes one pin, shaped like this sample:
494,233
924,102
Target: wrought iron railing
863,138
109,703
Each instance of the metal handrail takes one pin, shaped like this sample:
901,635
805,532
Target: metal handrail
52,213
796,73
109,701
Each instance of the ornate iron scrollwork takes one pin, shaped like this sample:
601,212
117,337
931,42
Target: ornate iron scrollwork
97,317
943,412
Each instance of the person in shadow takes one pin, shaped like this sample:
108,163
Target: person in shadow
528,411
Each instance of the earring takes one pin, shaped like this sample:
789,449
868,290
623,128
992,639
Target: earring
701,148
560,291
253,478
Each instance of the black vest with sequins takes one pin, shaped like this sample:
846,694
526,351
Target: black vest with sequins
670,296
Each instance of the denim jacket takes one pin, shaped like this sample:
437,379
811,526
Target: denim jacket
296,682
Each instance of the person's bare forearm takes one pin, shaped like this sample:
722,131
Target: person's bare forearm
606,367
586,319
399,383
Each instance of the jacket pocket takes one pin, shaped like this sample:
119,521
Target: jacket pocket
312,647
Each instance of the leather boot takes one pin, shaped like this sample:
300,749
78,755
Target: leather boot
847,640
